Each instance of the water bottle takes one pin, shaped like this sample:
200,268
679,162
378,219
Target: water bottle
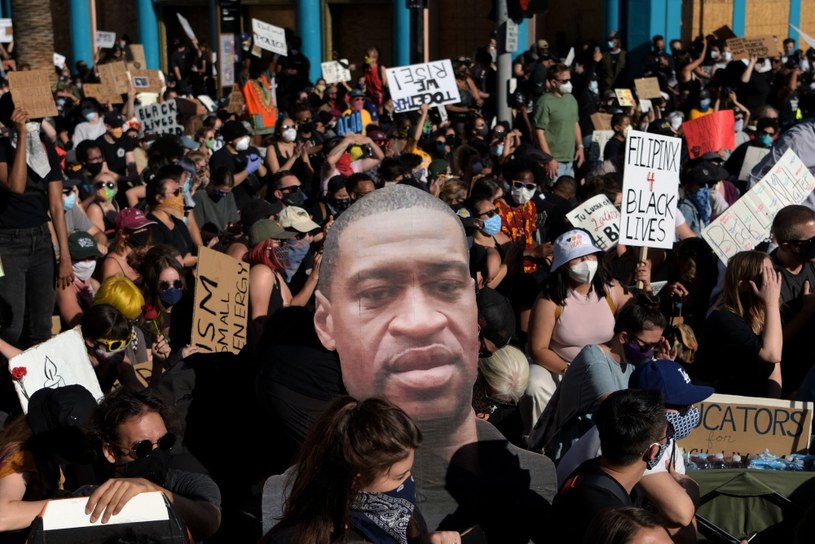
736,462
717,461
700,460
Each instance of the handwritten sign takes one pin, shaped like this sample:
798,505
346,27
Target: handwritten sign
102,93
236,101
135,56
761,46
269,37
724,33
114,75
6,31
350,123
221,309
752,157
185,24
598,216
336,71
712,132
105,40
62,360
650,185
159,118
432,83
648,87
749,425
146,81
31,90
624,97
747,222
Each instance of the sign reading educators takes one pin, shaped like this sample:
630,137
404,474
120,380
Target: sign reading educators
649,190
221,308
269,37
432,83
748,425
747,222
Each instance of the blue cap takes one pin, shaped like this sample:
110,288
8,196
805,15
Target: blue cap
671,380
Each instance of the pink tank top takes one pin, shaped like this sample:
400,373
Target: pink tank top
584,320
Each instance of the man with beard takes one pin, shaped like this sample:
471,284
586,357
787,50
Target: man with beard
397,303
132,427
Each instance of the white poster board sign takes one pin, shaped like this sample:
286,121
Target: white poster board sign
105,40
59,60
269,37
650,189
159,118
62,360
70,513
598,216
747,222
432,83
6,31
751,159
599,139
335,72
185,24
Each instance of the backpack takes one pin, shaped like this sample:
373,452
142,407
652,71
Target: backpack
680,336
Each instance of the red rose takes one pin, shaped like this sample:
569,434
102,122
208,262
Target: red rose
18,373
149,312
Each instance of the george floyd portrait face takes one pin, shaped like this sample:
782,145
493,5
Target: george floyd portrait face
401,312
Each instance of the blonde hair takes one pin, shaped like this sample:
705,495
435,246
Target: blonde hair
121,293
505,373
742,268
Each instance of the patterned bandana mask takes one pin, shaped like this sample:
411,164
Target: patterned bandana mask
683,425
384,517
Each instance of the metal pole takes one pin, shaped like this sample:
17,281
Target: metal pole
504,62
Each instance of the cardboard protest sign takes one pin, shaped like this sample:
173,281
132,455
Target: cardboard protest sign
647,87
32,91
336,71
62,360
236,101
747,222
147,81
599,139
114,75
6,31
748,425
135,56
624,97
724,33
185,24
762,46
645,105
601,121
269,37
650,188
104,40
598,216
712,132
102,93
159,118
221,309
751,158
433,83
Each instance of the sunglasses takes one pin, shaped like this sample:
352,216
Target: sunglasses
286,127
164,285
522,185
290,189
103,184
801,243
489,213
142,449
116,345
645,346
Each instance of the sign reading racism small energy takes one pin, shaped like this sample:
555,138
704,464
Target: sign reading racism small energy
650,190
598,216
159,118
432,83
269,37
221,308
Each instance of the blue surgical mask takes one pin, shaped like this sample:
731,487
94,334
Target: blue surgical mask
594,86
69,202
497,150
492,226
477,167
765,140
704,104
171,296
90,115
701,201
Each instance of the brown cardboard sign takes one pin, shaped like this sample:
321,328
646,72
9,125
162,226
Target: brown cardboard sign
236,101
724,32
647,87
221,308
749,425
135,55
31,91
762,46
114,74
145,81
102,93
601,121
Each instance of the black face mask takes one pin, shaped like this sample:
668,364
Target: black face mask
139,239
339,205
94,168
295,198
154,467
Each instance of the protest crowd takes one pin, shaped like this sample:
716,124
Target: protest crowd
327,311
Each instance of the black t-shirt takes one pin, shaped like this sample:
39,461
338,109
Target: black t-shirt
179,237
114,153
556,208
614,147
237,163
30,209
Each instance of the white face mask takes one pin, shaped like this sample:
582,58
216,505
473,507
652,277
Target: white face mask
83,269
764,66
583,272
522,195
242,144
626,131
676,122
565,88
289,135
728,56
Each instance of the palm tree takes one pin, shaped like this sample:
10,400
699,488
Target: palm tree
34,34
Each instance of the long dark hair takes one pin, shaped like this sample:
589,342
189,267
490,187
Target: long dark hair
556,286
350,445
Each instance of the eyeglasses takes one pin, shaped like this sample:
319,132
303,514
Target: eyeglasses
489,213
116,345
142,449
103,184
522,185
645,346
801,243
164,285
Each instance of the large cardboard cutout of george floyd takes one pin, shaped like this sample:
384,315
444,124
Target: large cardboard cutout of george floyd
396,301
